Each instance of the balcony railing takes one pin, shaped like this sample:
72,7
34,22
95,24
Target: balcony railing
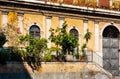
89,56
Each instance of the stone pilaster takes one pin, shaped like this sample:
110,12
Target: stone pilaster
96,35
20,22
48,25
111,2
61,19
4,19
85,26
97,2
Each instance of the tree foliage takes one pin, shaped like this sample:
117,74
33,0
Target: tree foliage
69,42
63,39
3,39
11,34
34,48
35,45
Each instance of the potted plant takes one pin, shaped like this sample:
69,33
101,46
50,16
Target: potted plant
53,0
82,57
87,36
116,5
84,47
68,1
81,2
92,3
77,55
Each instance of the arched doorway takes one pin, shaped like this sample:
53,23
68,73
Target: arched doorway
110,49
34,31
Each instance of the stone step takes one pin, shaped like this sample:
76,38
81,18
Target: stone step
116,77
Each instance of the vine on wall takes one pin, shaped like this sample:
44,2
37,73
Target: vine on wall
11,29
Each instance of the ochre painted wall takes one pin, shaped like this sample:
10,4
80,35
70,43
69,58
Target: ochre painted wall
55,23
118,25
40,20
77,23
91,42
101,25
31,19
0,19
13,18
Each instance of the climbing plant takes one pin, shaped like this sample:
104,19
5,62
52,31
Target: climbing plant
11,29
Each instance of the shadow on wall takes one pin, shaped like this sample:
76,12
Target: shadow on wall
14,70
12,67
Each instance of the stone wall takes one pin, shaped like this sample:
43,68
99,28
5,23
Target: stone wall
14,70
53,70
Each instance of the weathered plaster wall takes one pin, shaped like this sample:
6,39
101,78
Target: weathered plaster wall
91,27
31,19
53,70
78,24
0,19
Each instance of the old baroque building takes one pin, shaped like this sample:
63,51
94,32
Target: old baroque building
102,18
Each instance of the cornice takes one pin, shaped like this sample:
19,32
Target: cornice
50,9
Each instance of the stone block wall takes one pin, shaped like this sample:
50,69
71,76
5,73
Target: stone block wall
53,70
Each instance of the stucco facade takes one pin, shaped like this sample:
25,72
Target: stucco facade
48,15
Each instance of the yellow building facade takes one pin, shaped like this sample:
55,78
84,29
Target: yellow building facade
104,24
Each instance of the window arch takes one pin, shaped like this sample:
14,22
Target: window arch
34,31
74,32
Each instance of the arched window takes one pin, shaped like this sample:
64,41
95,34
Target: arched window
74,32
34,31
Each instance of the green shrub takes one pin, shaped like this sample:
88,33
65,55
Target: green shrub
3,39
22,54
14,54
77,55
47,58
